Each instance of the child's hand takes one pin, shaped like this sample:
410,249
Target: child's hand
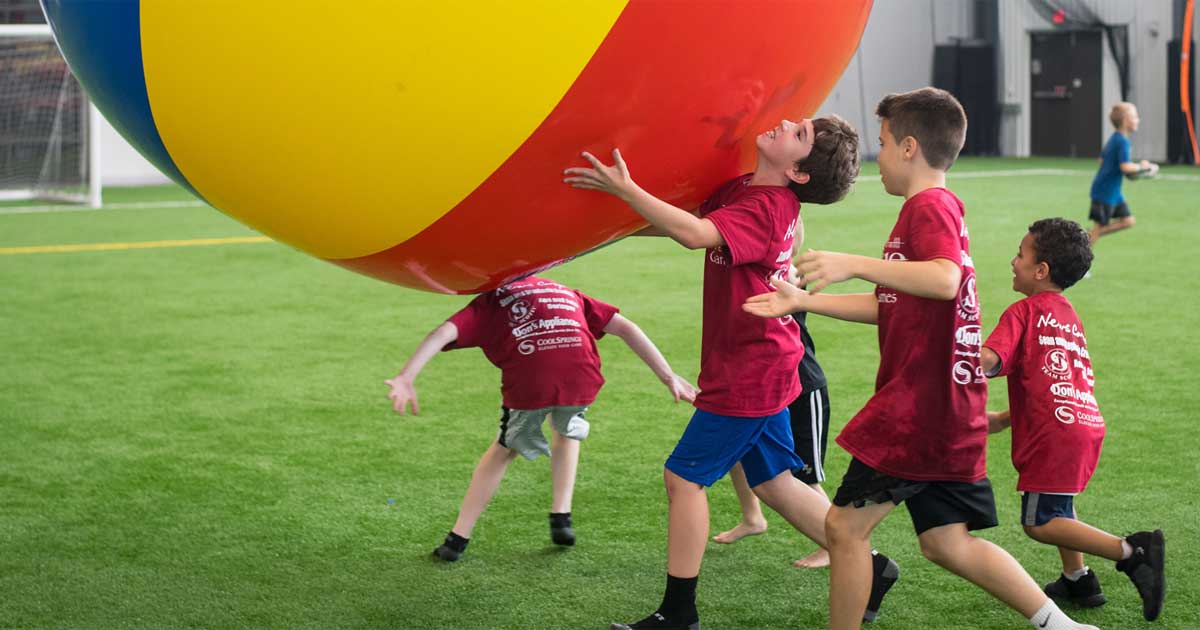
821,269
614,180
681,389
403,393
998,421
785,300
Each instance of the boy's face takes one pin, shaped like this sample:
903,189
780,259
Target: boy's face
891,161
1028,273
1131,118
786,144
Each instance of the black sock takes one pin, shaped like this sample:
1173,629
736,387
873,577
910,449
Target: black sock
559,520
679,601
456,542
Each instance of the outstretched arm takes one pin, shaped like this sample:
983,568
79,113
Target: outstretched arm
665,219
403,391
641,345
854,307
937,279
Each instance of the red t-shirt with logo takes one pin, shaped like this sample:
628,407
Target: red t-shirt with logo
926,420
542,335
1056,424
748,363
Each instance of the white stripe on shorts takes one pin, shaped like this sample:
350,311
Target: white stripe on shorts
1031,509
815,413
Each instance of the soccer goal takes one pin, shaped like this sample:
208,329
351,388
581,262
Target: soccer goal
49,131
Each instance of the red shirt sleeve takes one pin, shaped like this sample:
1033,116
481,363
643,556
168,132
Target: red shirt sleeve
934,233
471,322
1006,339
745,227
597,314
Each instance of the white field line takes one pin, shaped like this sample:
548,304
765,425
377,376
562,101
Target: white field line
142,205
1021,172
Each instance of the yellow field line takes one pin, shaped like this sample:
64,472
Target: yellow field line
99,247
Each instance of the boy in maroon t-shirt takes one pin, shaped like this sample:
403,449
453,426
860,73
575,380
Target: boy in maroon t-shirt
542,335
921,439
748,366
1057,427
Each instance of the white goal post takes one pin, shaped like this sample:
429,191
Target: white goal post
49,129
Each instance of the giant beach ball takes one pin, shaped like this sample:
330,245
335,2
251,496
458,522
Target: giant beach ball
422,143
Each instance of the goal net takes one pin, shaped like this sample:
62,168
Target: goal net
48,128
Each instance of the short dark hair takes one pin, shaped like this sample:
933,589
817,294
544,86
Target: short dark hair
832,165
932,116
1065,247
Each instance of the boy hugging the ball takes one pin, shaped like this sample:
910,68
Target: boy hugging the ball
542,335
748,365
1056,424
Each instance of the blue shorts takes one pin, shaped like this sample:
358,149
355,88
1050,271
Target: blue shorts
1038,508
711,445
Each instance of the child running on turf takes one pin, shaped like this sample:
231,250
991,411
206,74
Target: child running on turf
809,415
1109,212
1040,346
748,365
542,335
921,439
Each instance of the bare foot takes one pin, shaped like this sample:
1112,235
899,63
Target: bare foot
816,560
741,531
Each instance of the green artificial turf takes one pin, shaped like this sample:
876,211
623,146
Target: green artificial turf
199,437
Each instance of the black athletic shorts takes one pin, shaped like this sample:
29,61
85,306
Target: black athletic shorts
810,432
930,503
1102,213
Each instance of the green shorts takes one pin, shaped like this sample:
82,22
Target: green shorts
521,429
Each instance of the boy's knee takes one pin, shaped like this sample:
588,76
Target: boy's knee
943,544
1035,532
676,484
1130,221
934,550
770,489
842,529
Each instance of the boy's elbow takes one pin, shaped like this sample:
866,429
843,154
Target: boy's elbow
619,326
948,281
946,289
691,240
700,234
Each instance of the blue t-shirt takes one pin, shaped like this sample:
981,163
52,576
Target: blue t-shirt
1106,187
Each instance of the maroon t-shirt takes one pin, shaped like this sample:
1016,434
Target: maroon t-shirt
542,335
748,363
1057,428
926,421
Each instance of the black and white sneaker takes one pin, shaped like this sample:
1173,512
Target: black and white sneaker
561,531
1084,592
1145,570
656,622
884,575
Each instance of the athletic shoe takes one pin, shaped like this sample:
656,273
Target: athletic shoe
655,622
561,532
451,548
1145,570
446,553
885,573
1084,592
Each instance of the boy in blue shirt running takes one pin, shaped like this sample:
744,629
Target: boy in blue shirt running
1109,211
